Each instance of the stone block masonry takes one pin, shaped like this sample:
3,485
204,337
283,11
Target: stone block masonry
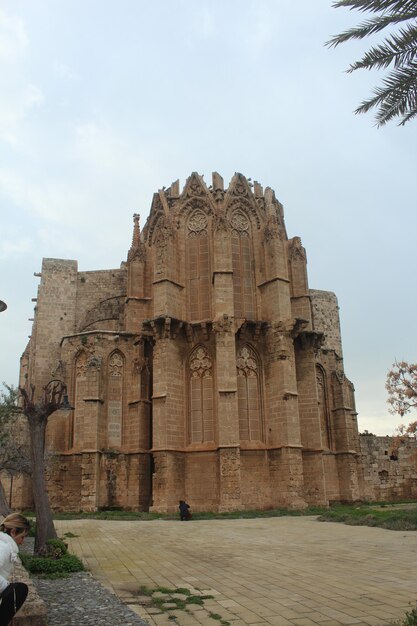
203,369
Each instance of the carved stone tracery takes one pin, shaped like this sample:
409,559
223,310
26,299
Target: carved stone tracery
116,364
81,365
197,223
239,223
246,363
200,364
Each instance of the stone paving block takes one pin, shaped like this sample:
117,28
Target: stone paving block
325,568
277,620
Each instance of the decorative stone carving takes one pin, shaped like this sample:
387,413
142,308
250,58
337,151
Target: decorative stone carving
220,224
59,370
137,249
223,324
340,376
200,364
164,236
271,230
137,365
81,365
246,363
197,223
239,223
116,364
239,188
194,187
95,362
249,206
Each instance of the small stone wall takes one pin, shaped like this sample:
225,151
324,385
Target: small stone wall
390,472
33,612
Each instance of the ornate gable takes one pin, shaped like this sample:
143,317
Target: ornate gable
239,196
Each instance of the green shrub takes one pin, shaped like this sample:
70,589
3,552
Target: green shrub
47,566
54,549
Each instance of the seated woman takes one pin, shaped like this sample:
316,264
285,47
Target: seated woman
13,531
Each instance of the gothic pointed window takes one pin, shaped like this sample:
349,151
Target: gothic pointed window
115,399
80,392
201,397
243,270
323,407
198,267
249,396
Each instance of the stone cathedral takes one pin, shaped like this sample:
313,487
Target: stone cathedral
203,369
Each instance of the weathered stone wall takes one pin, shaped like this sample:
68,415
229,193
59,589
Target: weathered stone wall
256,488
390,474
99,295
193,369
201,486
326,319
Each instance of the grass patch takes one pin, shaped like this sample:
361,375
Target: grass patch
118,515
410,619
168,597
372,515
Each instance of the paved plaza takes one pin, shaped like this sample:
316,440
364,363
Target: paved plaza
281,571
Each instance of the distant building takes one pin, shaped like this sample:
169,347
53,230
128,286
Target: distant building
203,369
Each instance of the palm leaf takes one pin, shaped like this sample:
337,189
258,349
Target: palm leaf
397,97
397,49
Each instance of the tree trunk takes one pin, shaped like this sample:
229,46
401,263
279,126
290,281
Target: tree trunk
4,505
45,528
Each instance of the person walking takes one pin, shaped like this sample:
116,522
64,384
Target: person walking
13,531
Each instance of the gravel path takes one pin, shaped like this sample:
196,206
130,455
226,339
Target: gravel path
80,599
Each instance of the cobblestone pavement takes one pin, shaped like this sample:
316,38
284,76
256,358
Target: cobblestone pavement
276,571
82,600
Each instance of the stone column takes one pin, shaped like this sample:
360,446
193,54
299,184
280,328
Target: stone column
310,423
168,420
228,419
284,439
345,440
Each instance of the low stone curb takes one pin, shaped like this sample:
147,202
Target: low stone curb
33,612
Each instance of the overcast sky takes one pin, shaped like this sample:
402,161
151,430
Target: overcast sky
103,103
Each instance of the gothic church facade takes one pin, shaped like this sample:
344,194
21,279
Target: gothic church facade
204,368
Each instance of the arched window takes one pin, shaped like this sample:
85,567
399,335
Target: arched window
243,270
80,392
323,407
249,395
198,267
115,374
201,422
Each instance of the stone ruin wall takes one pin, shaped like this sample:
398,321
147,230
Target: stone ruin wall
389,475
325,310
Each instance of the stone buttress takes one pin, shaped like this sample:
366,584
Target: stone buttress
203,369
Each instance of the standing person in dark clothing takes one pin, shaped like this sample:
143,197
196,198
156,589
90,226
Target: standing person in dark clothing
184,511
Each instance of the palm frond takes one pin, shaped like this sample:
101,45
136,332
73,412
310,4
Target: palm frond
370,27
396,98
399,49
366,6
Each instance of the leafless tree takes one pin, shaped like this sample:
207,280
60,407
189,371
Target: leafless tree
37,414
